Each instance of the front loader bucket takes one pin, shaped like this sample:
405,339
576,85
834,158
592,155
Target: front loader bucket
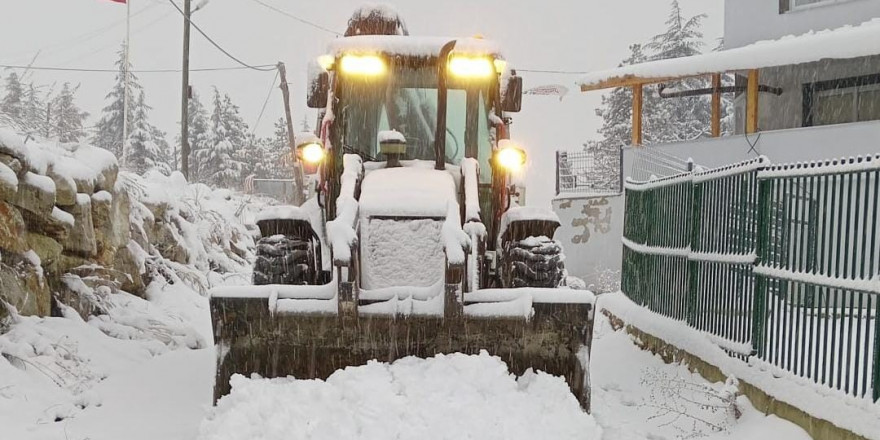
260,334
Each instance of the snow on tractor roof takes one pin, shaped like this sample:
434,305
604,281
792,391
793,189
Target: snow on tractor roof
840,43
411,46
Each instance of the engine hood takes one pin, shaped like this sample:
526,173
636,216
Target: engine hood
407,192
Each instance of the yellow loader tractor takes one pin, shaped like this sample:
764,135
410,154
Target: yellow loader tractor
414,244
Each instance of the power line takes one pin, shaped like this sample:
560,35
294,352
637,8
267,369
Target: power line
301,20
85,36
263,109
260,67
137,29
197,28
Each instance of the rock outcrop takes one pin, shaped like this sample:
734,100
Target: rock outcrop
61,216
72,225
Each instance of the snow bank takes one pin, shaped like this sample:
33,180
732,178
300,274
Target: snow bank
855,414
444,397
80,162
844,42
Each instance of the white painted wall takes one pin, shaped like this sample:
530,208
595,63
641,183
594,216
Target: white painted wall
747,21
781,146
590,234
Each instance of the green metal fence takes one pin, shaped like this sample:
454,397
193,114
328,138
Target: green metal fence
781,262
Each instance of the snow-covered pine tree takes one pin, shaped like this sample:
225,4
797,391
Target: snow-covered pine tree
198,132
278,151
227,135
66,119
33,117
685,118
147,147
616,129
13,101
109,127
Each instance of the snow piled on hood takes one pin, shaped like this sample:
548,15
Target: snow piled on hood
445,397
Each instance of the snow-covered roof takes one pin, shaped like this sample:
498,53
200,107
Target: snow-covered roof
841,43
409,45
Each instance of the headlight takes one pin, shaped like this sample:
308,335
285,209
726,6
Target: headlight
500,65
311,153
326,62
471,67
511,158
368,65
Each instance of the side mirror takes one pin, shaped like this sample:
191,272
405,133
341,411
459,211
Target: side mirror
318,87
511,100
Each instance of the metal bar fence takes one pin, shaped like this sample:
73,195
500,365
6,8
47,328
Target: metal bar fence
592,171
778,262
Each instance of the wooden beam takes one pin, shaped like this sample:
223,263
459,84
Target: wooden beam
637,115
632,80
752,102
716,105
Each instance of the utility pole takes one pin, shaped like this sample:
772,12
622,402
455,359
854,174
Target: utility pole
184,99
125,92
291,142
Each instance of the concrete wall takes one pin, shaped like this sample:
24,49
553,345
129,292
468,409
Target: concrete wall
747,21
590,233
781,146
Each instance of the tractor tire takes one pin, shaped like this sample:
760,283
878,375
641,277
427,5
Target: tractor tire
536,262
284,260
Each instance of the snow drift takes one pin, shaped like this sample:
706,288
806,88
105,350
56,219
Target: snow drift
445,397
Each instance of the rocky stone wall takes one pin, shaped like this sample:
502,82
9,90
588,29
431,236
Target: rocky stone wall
63,219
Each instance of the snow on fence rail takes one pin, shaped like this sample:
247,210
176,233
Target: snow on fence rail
784,259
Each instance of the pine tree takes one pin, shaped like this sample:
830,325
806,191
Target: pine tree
616,129
227,134
66,120
198,134
33,118
147,146
13,100
110,126
278,151
680,118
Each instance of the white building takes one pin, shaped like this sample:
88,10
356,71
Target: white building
807,87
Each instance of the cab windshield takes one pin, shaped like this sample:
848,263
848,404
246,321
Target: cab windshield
405,99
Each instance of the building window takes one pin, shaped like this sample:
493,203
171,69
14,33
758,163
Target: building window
794,5
839,101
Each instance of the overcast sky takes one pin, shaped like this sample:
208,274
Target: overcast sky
573,35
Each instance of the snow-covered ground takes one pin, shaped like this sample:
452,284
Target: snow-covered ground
109,388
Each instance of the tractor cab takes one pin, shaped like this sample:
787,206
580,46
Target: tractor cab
445,97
